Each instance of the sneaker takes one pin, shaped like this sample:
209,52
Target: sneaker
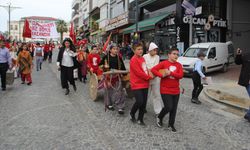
29,83
3,89
67,92
132,119
172,128
159,122
141,123
23,82
121,111
110,107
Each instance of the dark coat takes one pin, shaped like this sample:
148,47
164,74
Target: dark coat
244,60
60,56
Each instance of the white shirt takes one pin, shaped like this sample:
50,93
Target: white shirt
67,59
152,61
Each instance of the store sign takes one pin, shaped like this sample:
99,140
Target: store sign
170,22
204,21
118,21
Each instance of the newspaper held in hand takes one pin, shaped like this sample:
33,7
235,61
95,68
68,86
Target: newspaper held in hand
207,81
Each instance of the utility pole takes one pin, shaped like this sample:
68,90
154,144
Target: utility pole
136,19
9,8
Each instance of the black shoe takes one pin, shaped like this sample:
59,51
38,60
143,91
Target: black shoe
196,101
29,83
172,128
132,118
247,118
110,107
74,87
67,92
121,111
3,89
159,122
145,111
23,82
141,123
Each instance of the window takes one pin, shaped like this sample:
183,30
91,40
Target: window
212,53
16,28
11,27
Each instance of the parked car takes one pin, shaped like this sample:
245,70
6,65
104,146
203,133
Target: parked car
218,56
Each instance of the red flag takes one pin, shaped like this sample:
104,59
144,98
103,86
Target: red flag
72,33
26,29
107,43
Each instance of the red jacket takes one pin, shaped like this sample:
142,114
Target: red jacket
93,61
139,77
169,84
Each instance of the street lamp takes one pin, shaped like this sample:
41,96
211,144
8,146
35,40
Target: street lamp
9,8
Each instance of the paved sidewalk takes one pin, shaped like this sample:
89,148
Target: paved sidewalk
41,117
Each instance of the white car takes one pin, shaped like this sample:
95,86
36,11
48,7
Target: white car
218,56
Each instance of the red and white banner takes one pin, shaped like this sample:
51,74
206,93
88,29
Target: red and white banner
43,30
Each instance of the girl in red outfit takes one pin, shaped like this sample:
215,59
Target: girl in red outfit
170,72
139,81
93,61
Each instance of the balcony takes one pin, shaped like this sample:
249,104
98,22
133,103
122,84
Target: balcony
75,4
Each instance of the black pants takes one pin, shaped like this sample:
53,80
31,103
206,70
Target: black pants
45,57
80,74
141,97
67,76
170,106
197,85
50,56
3,69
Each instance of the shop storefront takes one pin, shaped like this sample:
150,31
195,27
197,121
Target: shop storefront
116,26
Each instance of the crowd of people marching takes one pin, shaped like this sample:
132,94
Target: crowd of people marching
150,79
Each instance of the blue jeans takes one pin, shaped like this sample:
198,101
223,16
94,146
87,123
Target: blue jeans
248,89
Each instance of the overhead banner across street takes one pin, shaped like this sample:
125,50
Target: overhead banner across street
43,30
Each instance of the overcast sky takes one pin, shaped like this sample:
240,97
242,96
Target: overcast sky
49,8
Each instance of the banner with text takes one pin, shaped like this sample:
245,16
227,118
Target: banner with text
43,30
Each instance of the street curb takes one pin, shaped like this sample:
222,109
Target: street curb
223,102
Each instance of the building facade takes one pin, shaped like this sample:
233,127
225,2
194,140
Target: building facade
168,22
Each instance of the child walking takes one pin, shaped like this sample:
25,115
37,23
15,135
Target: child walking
152,59
170,72
139,81
196,77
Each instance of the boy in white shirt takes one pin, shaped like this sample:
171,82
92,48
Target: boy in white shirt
152,59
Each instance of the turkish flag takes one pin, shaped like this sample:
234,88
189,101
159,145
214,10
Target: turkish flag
82,42
26,29
72,34
107,43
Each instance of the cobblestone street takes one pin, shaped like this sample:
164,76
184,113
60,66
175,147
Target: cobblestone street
41,117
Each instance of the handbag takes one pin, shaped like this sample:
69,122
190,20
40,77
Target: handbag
10,76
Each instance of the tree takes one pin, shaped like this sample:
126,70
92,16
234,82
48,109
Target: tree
61,27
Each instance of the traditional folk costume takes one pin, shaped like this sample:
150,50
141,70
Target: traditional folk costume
82,59
39,54
24,60
114,94
154,85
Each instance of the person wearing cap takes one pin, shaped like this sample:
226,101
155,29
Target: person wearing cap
196,77
114,94
5,62
152,59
